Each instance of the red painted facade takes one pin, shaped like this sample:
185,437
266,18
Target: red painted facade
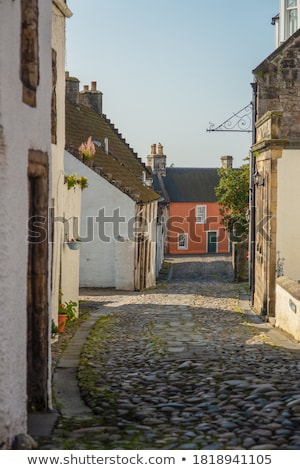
195,228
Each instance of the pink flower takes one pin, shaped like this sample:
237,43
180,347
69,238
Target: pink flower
88,149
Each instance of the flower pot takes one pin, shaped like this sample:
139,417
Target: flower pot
74,245
62,319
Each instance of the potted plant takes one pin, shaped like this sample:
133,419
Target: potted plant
74,243
87,149
66,313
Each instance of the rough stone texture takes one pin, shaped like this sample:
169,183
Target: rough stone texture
183,367
240,261
278,128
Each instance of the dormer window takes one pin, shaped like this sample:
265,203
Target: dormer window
291,17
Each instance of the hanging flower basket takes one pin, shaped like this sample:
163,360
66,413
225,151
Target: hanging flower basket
74,244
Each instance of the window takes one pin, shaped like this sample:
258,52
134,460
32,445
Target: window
200,214
291,17
182,241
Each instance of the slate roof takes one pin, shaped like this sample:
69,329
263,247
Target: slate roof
121,165
189,184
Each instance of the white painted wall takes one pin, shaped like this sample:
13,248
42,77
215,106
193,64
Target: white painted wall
66,204
288,311
107,252
69,282
21,128
288,220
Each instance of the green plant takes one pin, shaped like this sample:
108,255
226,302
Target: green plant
69,309
233,198
83,182
54,329
73,240
73,179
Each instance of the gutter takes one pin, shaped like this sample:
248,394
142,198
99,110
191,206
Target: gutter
252,198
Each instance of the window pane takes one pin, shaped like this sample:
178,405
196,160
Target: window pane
200,214
291,3
182,240
292,21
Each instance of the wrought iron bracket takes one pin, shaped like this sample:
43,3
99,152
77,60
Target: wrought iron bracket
238,122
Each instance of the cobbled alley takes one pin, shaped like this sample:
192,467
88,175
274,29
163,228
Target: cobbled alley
182,366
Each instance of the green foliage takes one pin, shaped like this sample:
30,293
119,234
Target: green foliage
69,309
233,198
83,182
54,329
73,179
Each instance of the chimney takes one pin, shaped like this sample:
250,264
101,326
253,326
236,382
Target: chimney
156,160
226,161
72,89
91,98
160,150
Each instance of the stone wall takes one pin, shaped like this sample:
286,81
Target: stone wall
240,261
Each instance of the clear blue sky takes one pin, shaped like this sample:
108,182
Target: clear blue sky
167,68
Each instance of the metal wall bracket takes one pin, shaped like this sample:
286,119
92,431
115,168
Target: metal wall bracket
238,122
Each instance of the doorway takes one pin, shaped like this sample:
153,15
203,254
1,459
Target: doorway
37,283
212,240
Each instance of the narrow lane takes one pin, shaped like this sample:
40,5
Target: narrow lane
182,367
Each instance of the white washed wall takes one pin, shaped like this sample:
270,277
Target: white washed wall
288,220
106,258
288,307
58,191
70,258
21,128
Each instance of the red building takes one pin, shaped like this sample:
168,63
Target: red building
193,216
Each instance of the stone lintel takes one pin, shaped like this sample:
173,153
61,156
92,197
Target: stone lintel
268,126
269,143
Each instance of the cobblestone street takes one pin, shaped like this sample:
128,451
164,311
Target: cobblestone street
182,366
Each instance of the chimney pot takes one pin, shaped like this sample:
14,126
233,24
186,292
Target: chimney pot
160,150
226,161
153,149
91,98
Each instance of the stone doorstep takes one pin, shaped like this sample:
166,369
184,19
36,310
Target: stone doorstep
41,424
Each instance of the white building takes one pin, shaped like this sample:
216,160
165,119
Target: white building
25,152
119,210
287,21
65,204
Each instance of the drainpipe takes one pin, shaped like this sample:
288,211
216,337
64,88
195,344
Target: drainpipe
252,200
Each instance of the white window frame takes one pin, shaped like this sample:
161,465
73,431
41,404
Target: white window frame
217,239
184,238
200,214
290,24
